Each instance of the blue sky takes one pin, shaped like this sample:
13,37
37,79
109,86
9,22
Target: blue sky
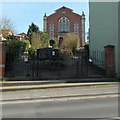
22,14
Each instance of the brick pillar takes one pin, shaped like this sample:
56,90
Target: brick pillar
110,60
2,59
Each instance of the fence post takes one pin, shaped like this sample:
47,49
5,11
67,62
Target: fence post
110,60
2,59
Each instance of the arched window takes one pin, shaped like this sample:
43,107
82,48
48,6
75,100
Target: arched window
76,28
51,30
64,25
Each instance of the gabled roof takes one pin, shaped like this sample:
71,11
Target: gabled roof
22,34
64,8
6,33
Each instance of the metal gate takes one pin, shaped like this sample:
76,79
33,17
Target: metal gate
77,65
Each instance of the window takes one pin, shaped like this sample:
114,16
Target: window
64,25
51,30
64,11
76,28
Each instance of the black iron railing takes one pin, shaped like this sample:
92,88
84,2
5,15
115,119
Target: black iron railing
81,64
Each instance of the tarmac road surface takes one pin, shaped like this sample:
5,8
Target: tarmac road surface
83,102
104,107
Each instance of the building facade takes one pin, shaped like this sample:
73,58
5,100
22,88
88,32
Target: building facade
22,36
104,22
63,21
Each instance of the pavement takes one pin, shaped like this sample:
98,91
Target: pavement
55,94
46,84
17,92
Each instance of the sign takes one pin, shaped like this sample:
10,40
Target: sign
47,54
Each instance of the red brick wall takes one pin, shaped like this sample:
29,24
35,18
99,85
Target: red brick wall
2,59
110,60
73,17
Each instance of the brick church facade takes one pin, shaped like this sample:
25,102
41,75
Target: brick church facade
63,21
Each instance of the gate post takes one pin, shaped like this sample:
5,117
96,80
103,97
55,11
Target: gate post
2,59
110,60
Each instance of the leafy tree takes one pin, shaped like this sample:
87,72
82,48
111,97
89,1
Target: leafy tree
54,43
31,53
45,37
26,45
35,40
39,40
70,43
32,28
14,49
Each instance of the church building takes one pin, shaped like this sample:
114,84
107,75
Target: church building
64,21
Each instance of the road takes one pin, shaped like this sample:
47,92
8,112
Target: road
85,102
83,108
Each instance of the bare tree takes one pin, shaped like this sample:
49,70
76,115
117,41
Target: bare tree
5,24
